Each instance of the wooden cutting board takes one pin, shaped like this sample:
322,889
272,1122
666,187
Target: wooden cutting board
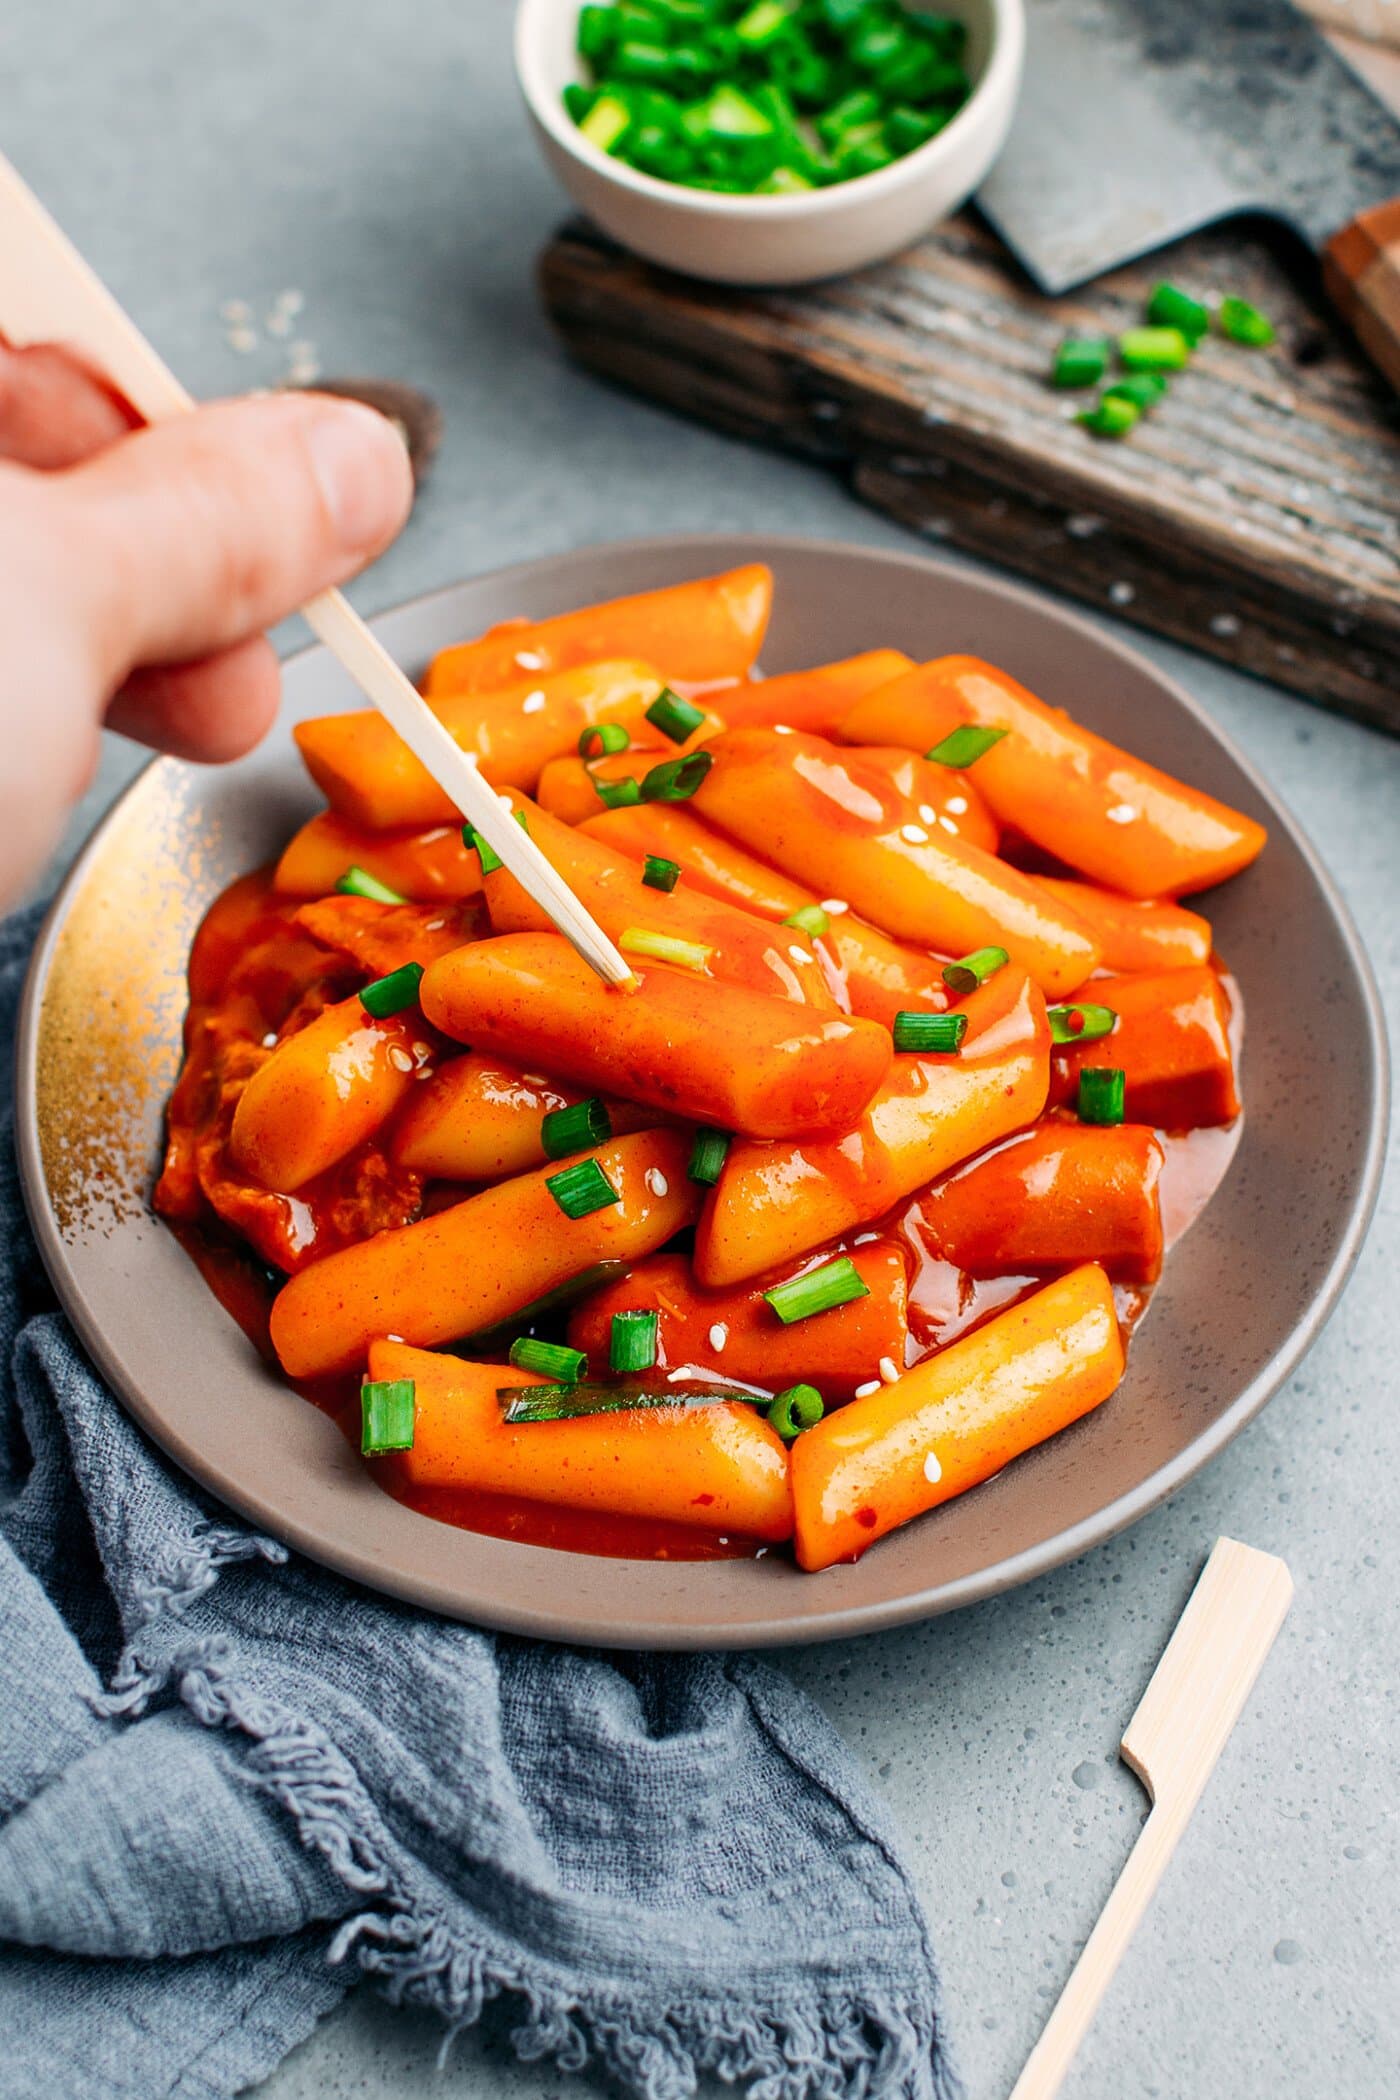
1255,514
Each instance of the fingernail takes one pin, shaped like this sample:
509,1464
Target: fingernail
363,473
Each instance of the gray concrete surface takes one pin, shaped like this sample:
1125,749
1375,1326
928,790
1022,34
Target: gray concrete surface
375,159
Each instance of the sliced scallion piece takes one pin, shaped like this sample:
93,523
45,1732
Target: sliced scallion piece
797,1408
550,1359
577,1128
1154,349
1112,417
664,947
603,740
606,122
1080,1024
486,853
386,1415
810,919
618,794
1102,1092
1244,323
707,1156
963,746
355,882
676,779
658,873
933,1032
391,994
1170,307
581,1189
835,1283
632,1341
674,717
565,1403
1143,389
1080,360
969,971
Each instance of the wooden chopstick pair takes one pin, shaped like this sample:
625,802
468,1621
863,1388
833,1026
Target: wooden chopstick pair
48,294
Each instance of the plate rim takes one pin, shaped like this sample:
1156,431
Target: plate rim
845,1621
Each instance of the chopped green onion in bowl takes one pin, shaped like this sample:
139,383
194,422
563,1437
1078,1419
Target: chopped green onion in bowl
765,98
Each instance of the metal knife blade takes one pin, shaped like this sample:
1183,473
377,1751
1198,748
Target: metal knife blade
1140,121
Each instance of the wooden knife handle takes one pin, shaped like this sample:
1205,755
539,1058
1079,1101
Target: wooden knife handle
1361,269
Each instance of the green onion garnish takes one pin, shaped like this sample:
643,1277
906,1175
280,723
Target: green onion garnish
707,1156
386,1415
488,856
1112,417
963,747
1244,323
577,1128
969,971
797,1408
1154,349
1170,307
618,794
565,1403
391,994
664,947
602,740
1081,360
550,1359
658,873
836,1283
1102,1089
922,1031
581,1189
674,717
676,779
1080,1024
356,883
810,919
632,1341
1143,389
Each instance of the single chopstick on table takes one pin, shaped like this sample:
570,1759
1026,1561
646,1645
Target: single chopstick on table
48,294
1197,1693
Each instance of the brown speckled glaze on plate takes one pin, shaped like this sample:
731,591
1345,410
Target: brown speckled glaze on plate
1245,1293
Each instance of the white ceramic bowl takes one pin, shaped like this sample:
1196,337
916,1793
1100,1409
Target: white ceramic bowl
774,240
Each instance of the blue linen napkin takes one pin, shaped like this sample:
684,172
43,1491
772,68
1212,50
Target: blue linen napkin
231,1783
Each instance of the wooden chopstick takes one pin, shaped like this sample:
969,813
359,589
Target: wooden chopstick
1183,1722
49,294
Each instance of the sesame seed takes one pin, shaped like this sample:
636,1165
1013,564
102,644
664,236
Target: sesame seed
656,1181
400,1059
1225,625
529,659
863,1392
532,703
928,812
948,825
277,322
269,1042
243,339
534,1079
422,1052
913,834
719,1335
1121,594
864,1239
783,729
835,906
799,955
889,1370
957,805
933,1471
1121,813
290,302
394,1338
234,310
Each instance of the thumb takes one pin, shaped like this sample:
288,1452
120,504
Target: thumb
187,537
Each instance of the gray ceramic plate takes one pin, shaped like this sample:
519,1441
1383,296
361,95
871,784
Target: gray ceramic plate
1245,1293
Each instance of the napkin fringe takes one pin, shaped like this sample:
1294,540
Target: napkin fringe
884,2046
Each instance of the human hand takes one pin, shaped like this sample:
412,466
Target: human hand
139,568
